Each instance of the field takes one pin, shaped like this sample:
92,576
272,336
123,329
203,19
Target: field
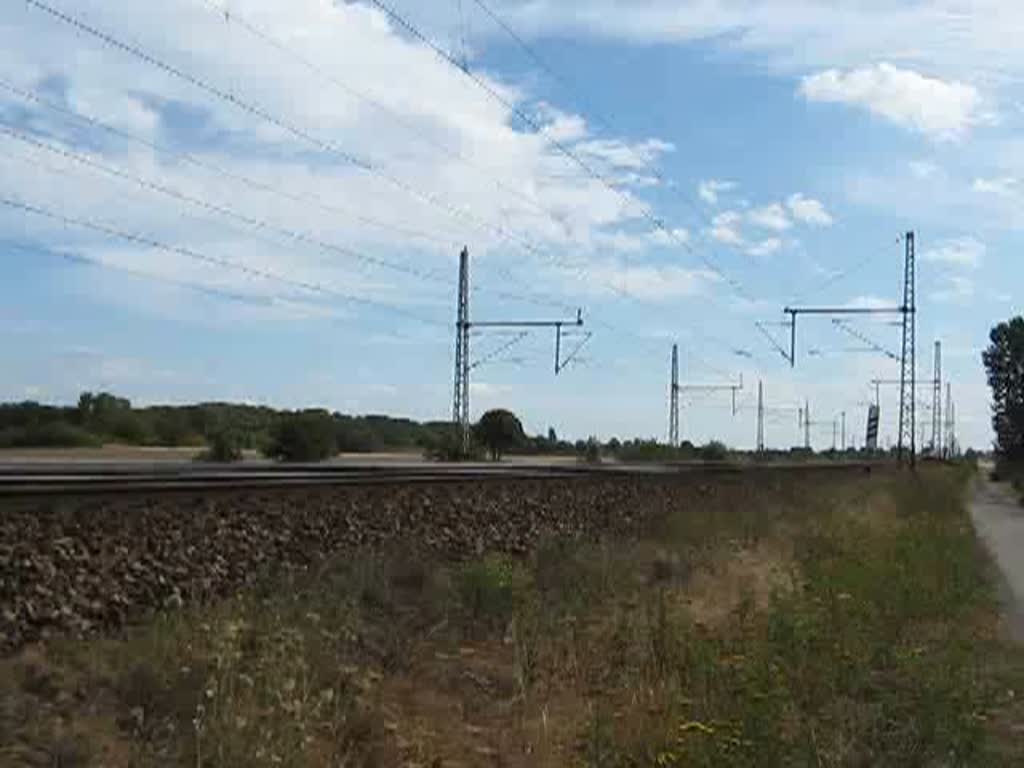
792,621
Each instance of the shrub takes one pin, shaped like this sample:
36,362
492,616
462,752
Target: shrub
488,588
591,451
225,448
447,446
501,431
306,436
357,439
56,434
714,451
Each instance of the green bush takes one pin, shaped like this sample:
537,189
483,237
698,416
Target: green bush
488,588
357,438
590,452
308,436
53,435
225,448
128,428
447,446
714,451
500,431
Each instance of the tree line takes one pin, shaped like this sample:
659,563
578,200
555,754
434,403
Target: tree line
223,431
102,417
1004,365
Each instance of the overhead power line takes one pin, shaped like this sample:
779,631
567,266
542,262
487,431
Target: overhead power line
262,113
559,146
569,154
198,162
536,298
845,273
199,256
872,344
455,154
601,118
233,17
329,148
220,210
82,259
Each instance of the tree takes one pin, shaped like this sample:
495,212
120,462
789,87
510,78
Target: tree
101,407
591,452
1004,362
714,451
308,436
225,448
500,431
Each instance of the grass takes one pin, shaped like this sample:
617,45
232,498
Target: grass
843,623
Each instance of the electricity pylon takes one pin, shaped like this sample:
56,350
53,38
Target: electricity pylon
463,367
673,413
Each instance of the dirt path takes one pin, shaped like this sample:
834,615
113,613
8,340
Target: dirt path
999,518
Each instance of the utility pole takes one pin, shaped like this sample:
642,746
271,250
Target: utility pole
795,312
834,444
760,417
937,403
907,447
733,388
807,425
947,451
673,413
460,405
463,325
953,441
908,358
844,431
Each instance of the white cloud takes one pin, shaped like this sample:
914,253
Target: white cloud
942,110
1004,186
870,302
765,247
956,289
710,190
773,217
809,210
652,282
618,154
961,252
413,129
923,169
628,242
725,228
671,237
487,391
949,38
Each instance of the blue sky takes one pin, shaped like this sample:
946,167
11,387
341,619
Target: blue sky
298,188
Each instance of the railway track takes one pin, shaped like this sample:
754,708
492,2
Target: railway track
32,480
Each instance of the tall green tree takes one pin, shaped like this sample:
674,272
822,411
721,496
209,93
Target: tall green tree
500,431
1004,362
306,436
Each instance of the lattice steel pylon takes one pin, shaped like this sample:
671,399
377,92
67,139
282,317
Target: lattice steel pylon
760,417
937,403
460,404
947,452
673,409
907,446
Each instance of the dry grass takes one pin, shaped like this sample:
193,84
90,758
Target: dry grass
843,624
